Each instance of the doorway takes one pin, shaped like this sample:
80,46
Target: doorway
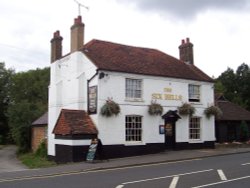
170,119
169,135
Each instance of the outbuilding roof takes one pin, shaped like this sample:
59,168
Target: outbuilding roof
43,120
231,111
74,122
129,59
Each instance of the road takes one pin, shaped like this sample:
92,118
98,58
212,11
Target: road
221,171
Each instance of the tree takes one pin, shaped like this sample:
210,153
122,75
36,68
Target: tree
218,87
28,101
243,80
235,85
230,87
5,77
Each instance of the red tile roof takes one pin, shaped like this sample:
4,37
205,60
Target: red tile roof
74,122
43,120
232,112
122,58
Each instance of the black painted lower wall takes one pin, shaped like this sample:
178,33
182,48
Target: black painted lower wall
186,145
65,153
118,151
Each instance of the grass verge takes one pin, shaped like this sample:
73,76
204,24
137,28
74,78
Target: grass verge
31,160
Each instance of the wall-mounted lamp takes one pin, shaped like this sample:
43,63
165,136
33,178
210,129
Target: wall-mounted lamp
102,75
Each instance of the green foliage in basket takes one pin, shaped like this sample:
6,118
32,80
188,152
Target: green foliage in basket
110,108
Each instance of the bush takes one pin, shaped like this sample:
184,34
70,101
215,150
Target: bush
42,150
244,132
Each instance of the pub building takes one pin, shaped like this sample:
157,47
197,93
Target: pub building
129,97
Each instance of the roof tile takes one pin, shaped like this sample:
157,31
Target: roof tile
74,122
43,120
122,58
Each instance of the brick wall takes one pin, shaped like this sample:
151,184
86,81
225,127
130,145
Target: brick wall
38,135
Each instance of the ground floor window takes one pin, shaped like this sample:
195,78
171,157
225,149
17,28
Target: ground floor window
195,128
133,130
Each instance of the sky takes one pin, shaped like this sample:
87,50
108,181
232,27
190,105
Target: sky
219,29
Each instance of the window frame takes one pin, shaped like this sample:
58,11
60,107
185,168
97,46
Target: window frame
136,133
130,93
194,131
193,91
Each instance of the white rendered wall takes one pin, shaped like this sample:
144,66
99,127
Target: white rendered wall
68,89
73,142
112,129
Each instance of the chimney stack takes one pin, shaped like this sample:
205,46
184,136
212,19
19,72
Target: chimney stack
186,51
77,34
56,47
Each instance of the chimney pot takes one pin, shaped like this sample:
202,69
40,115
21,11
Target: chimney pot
79,19
57,34
77,34
186,51
56,46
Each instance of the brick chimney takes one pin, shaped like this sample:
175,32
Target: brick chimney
77,34
186,51
56,47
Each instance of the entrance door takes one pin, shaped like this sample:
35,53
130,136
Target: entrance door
169,135
170,118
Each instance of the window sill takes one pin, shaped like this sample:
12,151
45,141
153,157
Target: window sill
195,141
196,103
134,100
133,143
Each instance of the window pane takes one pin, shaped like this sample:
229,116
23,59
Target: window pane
194,93
133,88
133,128
194,128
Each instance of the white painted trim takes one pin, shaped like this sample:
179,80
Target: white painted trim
73,142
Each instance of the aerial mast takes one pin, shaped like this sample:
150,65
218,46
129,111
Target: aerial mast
79,7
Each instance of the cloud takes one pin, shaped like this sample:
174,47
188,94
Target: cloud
186,9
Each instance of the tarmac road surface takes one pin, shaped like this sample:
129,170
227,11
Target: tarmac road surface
8,160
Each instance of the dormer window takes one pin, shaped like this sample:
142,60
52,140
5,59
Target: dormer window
133,88
193,93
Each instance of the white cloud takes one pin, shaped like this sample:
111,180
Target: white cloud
220,33
186,9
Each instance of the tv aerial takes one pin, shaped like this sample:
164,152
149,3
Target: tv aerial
80,5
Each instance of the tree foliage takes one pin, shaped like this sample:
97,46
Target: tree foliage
235,85
5,76
244,132
28,101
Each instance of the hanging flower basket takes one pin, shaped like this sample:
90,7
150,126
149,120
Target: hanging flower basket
155,109
212,111
186,109
110,108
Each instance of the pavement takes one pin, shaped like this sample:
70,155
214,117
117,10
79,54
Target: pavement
167,156
8,160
